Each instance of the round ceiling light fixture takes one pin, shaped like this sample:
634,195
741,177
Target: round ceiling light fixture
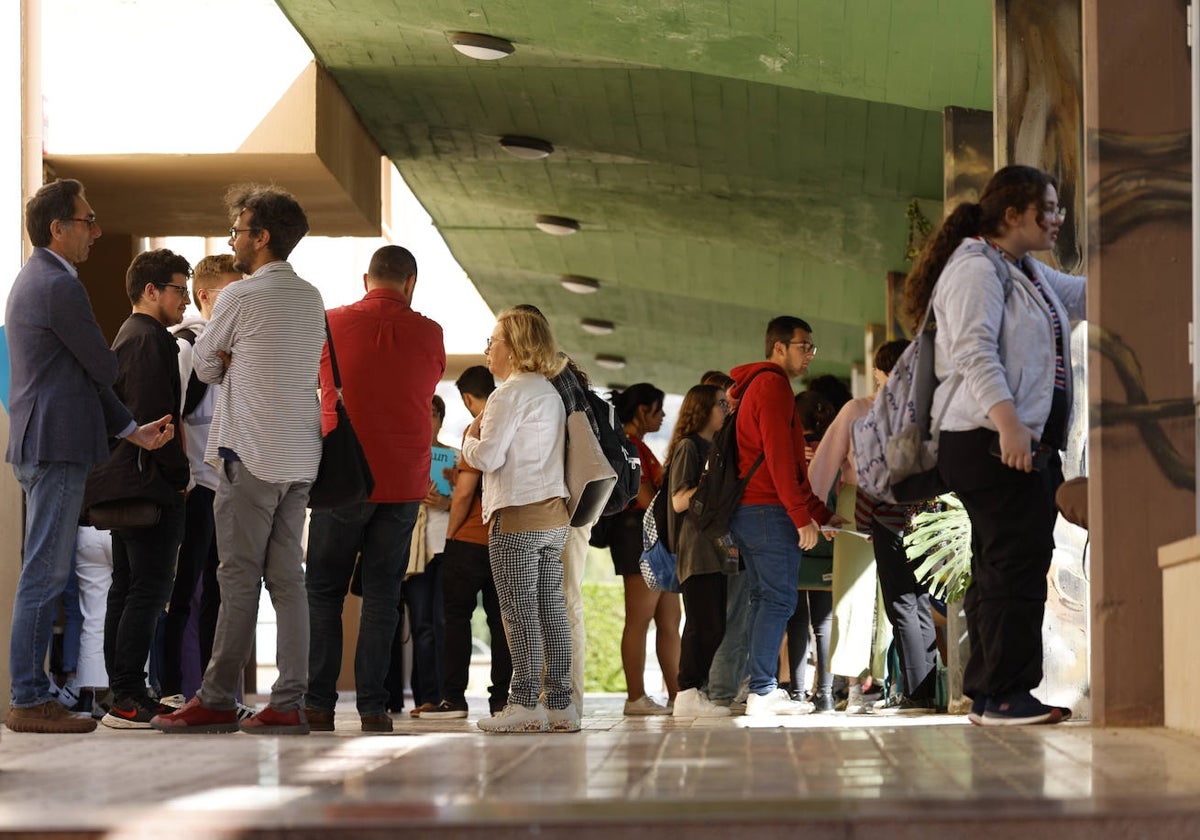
556,225
526,148
579,285
596,326
479,46
610,362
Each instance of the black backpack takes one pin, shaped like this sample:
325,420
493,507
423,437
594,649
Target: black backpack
195,389
721,488
622,455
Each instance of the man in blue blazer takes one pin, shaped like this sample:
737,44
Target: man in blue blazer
62,415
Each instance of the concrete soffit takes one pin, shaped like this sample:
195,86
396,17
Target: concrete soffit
311,143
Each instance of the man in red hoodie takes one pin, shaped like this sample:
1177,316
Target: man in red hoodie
778,517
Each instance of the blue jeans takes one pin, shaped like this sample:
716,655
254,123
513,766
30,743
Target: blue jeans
729,663
767,538
53,498
382,532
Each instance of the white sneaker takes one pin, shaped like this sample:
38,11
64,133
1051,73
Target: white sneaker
645,705
563,720
776,702
175,701
690,703
516,718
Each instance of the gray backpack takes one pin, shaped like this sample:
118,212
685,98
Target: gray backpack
896,443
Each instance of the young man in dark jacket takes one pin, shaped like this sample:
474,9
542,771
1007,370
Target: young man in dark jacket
143,557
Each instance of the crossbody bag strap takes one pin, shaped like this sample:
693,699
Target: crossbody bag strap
333,365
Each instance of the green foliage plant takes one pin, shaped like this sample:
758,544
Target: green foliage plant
941,540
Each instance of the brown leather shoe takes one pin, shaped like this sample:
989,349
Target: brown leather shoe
318,721
424,707
381,722
49,717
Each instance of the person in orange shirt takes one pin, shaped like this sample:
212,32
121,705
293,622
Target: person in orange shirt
466,571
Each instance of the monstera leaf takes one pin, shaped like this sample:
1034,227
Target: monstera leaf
941,540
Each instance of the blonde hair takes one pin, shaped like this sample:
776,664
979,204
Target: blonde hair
211,269
530,342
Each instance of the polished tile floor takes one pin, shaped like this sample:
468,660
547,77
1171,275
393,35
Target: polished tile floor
832,776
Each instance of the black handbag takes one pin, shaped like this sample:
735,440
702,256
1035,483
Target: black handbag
344,477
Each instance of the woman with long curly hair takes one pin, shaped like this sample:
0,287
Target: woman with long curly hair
1004,395
699,562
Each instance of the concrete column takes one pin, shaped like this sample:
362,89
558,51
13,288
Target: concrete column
1141,447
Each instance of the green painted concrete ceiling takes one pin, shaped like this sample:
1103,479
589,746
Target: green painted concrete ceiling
728,160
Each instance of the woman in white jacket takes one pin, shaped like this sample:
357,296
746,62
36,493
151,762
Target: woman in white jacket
518,443
1003,364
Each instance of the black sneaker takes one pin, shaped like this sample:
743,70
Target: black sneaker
133,713
1019,708
446,710
823,702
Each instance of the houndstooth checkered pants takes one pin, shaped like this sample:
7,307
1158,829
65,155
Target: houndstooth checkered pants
527,568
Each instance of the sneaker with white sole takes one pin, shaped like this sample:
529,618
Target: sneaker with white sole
776,702
1020,708
644,706
563,720
516,718
692,703
132,713
856,701
446,710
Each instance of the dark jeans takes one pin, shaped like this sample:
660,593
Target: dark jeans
814,608
1012,537
906,603
466,573
427,622
704,628
143,573
335,537
199,549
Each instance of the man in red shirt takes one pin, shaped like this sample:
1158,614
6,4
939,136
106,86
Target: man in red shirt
390,359
778,517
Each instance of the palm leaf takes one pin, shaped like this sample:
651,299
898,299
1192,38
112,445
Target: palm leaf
941,539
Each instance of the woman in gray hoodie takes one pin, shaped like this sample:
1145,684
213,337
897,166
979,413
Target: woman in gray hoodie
1003,364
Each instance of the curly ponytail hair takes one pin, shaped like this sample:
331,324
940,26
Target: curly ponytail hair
1013,186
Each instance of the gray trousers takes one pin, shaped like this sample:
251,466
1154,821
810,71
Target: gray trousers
259,525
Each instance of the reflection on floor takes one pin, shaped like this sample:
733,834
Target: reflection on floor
832,776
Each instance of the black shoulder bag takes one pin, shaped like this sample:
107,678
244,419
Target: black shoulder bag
345,476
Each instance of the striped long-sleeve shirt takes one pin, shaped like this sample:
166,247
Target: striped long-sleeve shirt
272,324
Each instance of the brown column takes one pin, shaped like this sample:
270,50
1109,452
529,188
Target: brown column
1142,454
103,275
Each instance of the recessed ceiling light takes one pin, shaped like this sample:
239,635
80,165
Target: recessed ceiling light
610,362
595,326
556,225
482,47
579,285
526,148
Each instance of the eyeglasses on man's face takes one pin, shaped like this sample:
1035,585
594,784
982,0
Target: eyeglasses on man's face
806,347
235,230
183,290
90,221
